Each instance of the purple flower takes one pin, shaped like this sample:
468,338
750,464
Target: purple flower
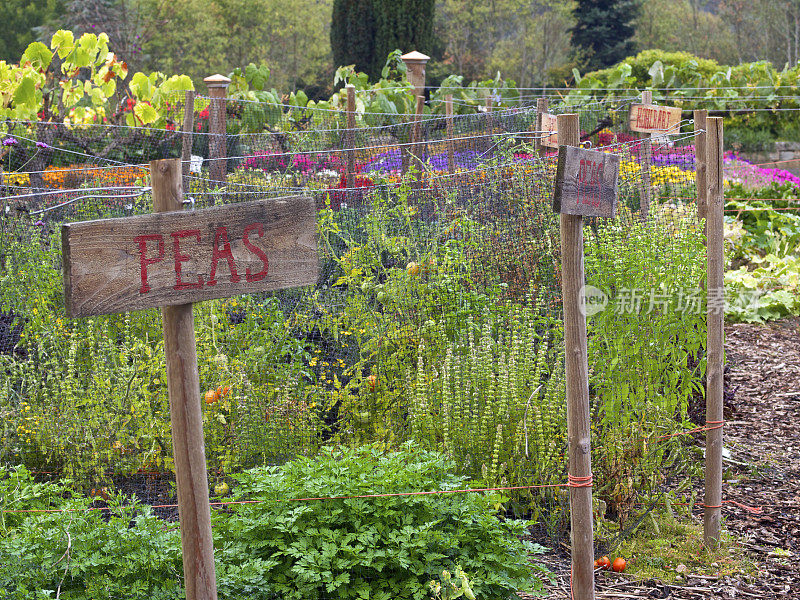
41,145
39,224
10,141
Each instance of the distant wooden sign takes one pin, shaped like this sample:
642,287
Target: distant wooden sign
550,123
586,182
166,259
649,118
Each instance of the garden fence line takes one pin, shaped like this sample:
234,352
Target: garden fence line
435,319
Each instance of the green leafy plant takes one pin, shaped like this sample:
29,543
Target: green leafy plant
646,347
382,547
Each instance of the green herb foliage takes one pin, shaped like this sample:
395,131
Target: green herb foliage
383,548
280,548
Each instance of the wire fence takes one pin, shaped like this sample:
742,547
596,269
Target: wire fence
435,321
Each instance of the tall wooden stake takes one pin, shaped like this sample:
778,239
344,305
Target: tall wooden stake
700,117
186,414
716,333
187,131
541,108
349,138
448,123
646,158
218,151
577,379
416,130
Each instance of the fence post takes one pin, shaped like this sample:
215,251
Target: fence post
700,168
186,414
415,65
349,138
541,108
646,157
217,146
577,381
187,131
716,333
448,123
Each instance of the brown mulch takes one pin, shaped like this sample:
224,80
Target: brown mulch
762,472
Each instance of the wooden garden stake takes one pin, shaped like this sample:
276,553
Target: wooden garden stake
448,123
577,381
186,138
541,108
647,158
416,130
186,414
716,333
171,259
218,152
349,138
700,117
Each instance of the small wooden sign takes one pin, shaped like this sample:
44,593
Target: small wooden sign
649,118
550,123
586,182
166,259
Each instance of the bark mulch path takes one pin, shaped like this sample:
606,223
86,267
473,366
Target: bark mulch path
762,472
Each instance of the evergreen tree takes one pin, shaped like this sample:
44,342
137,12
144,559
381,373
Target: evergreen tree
353,34
402,24
603,32
364,32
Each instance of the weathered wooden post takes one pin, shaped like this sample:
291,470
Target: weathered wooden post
700,117
186,414
541,108
646,157
217,145
171,259
586,184
349,138
415,64
716,332
448,124
187,131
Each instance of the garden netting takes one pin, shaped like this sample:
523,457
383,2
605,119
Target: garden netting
436,318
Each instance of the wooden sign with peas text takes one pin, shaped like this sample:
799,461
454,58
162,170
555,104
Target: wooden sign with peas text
166,259
649,118
550,123
586,182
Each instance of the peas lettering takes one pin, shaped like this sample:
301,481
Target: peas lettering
186,243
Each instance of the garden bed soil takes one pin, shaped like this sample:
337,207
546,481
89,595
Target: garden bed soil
762,475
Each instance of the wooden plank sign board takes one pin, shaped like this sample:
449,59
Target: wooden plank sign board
649,118
171,258
586,182
550,123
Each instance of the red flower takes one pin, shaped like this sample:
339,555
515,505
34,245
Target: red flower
353,197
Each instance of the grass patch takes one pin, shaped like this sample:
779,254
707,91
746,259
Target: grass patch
663,542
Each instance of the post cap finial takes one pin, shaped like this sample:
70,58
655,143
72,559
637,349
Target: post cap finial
216,80
415,56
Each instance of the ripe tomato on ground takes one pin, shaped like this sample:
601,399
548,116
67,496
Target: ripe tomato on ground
602,563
